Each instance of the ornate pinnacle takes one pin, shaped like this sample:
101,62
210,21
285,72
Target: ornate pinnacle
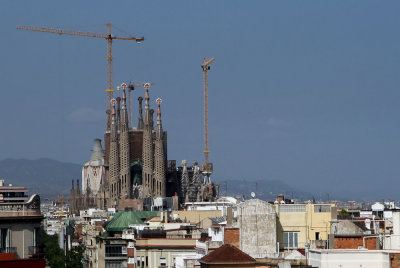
147,87
113,102
123,86
159,101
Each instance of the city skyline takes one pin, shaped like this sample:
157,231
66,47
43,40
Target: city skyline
299,92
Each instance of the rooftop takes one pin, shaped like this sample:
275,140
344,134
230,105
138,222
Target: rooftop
227,254
123,219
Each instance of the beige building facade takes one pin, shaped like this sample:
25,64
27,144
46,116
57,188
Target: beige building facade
304,225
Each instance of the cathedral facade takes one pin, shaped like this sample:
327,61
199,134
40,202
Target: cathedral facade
134,163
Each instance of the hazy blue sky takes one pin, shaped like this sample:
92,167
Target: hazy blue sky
306,92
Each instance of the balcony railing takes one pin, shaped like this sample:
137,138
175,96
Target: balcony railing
36,251
8,250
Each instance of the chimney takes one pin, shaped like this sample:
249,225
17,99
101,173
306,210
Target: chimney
229,217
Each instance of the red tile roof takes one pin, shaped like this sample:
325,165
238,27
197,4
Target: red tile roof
227,254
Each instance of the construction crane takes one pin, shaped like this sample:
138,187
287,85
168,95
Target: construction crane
131,87
207,167
109,37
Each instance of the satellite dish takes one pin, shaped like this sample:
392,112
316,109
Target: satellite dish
253,194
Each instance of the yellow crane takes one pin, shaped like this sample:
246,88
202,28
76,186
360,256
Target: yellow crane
207,167
109,37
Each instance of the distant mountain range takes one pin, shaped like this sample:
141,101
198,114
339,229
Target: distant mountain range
43,176
50,178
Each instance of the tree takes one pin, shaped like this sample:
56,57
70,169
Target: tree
55,255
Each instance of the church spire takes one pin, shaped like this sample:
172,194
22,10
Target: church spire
140,121
124,116
159,157
118,116
114,155
124,149
159,124
147,154
146,105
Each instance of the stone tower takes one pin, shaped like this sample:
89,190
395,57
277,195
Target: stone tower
185,182
196,183
93,172
148,160
140,119
159,157
118,116
125,168
114,166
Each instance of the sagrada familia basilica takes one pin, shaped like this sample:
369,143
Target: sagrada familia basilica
134,163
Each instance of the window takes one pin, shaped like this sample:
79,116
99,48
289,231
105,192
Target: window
292,208
36,238
163,262
115,250
5,241
317,236
114,264
131,260
290,239
322,208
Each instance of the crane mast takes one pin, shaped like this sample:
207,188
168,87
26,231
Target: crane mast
131,87
207,167
109,37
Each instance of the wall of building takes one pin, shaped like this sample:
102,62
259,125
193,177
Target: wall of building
345,227
232,237
22,236
154,256
303,218
257,223
393,241
354,242
394,259
349,258
26,263
135,144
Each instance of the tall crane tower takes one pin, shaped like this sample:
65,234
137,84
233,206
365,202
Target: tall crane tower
109,37
207,167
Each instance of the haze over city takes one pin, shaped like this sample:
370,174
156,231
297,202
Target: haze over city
301,92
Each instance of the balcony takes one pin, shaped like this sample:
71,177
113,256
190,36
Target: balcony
36,251
115,251
128,234
318,244
8,250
